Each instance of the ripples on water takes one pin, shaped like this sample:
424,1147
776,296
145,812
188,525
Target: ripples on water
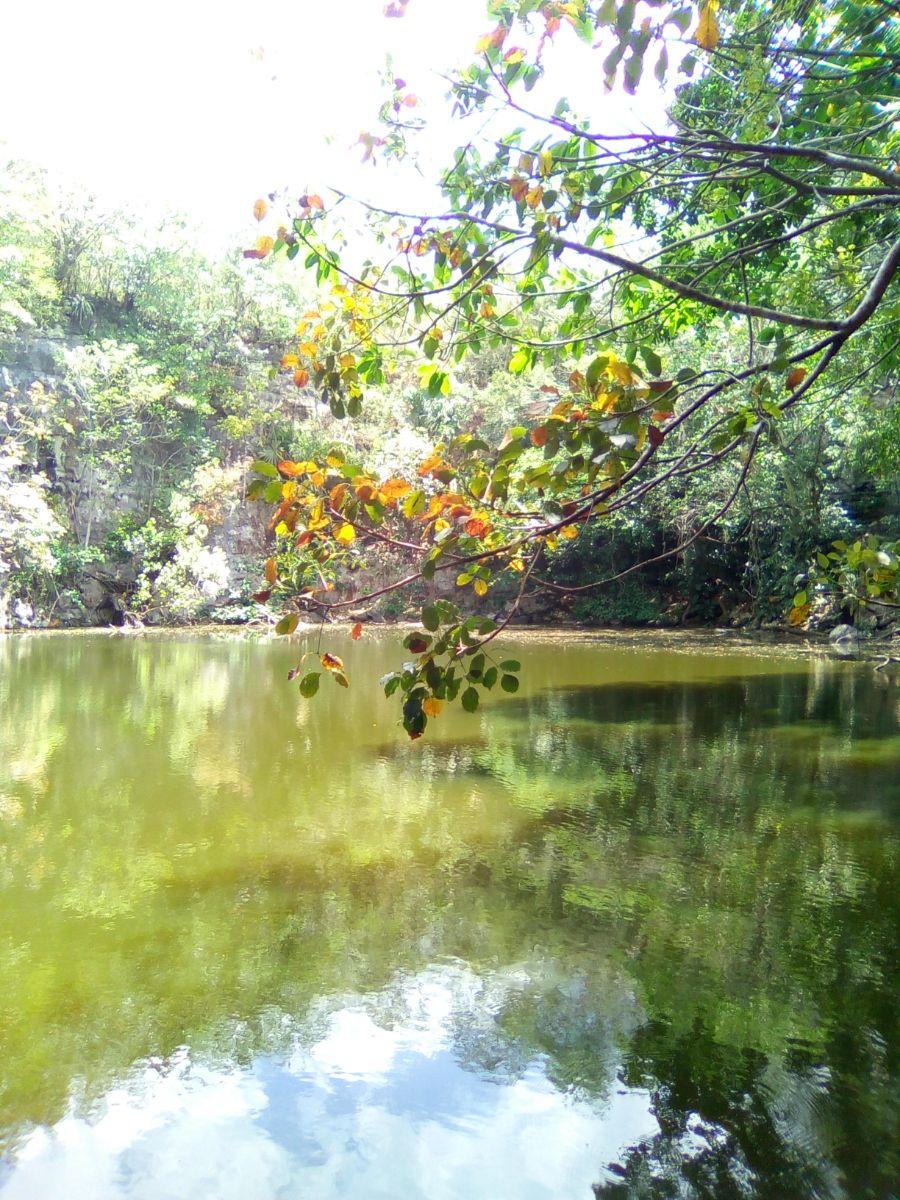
629,933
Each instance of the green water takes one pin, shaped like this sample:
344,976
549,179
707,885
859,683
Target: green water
629,933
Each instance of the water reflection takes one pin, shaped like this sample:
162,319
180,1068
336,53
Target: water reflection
358,1104
632,929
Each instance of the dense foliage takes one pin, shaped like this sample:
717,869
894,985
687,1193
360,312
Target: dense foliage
686,301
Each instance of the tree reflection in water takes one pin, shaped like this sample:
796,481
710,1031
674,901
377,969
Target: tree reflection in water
660,909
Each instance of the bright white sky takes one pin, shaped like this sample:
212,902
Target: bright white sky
199,107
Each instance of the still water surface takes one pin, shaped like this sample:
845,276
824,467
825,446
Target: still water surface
628,933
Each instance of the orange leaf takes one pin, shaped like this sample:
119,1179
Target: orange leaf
796,377
301,378
396,488
432,706
332,663
289,468
539,436
260,208
356,632
476,527
271,570
337,495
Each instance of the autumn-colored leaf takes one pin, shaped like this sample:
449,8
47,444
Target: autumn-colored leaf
270,570
518,188
345,535
260,208
480,587
289,361
337,496
706,35
395,489
655,436
417,645
332,663
491,41
800,614
263,596
301,378
290,468
796,377
476,527
539,436
356,632
432,706
264,246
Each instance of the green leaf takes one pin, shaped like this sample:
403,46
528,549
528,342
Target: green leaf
288,623
261,467
652,359
469,699
431,618
510,665
519,362
309,684
509,683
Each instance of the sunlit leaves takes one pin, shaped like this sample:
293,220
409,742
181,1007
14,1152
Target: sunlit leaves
706,35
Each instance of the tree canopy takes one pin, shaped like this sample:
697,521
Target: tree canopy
675,293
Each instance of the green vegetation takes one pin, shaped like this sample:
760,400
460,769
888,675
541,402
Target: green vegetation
694,305
646,376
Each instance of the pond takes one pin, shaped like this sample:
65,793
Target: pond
630,932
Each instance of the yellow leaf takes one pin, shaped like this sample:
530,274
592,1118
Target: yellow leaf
706,35
432,707
260,208
568,532
264,246
620,371
799,615
546,163
534,196
345,535
480,587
